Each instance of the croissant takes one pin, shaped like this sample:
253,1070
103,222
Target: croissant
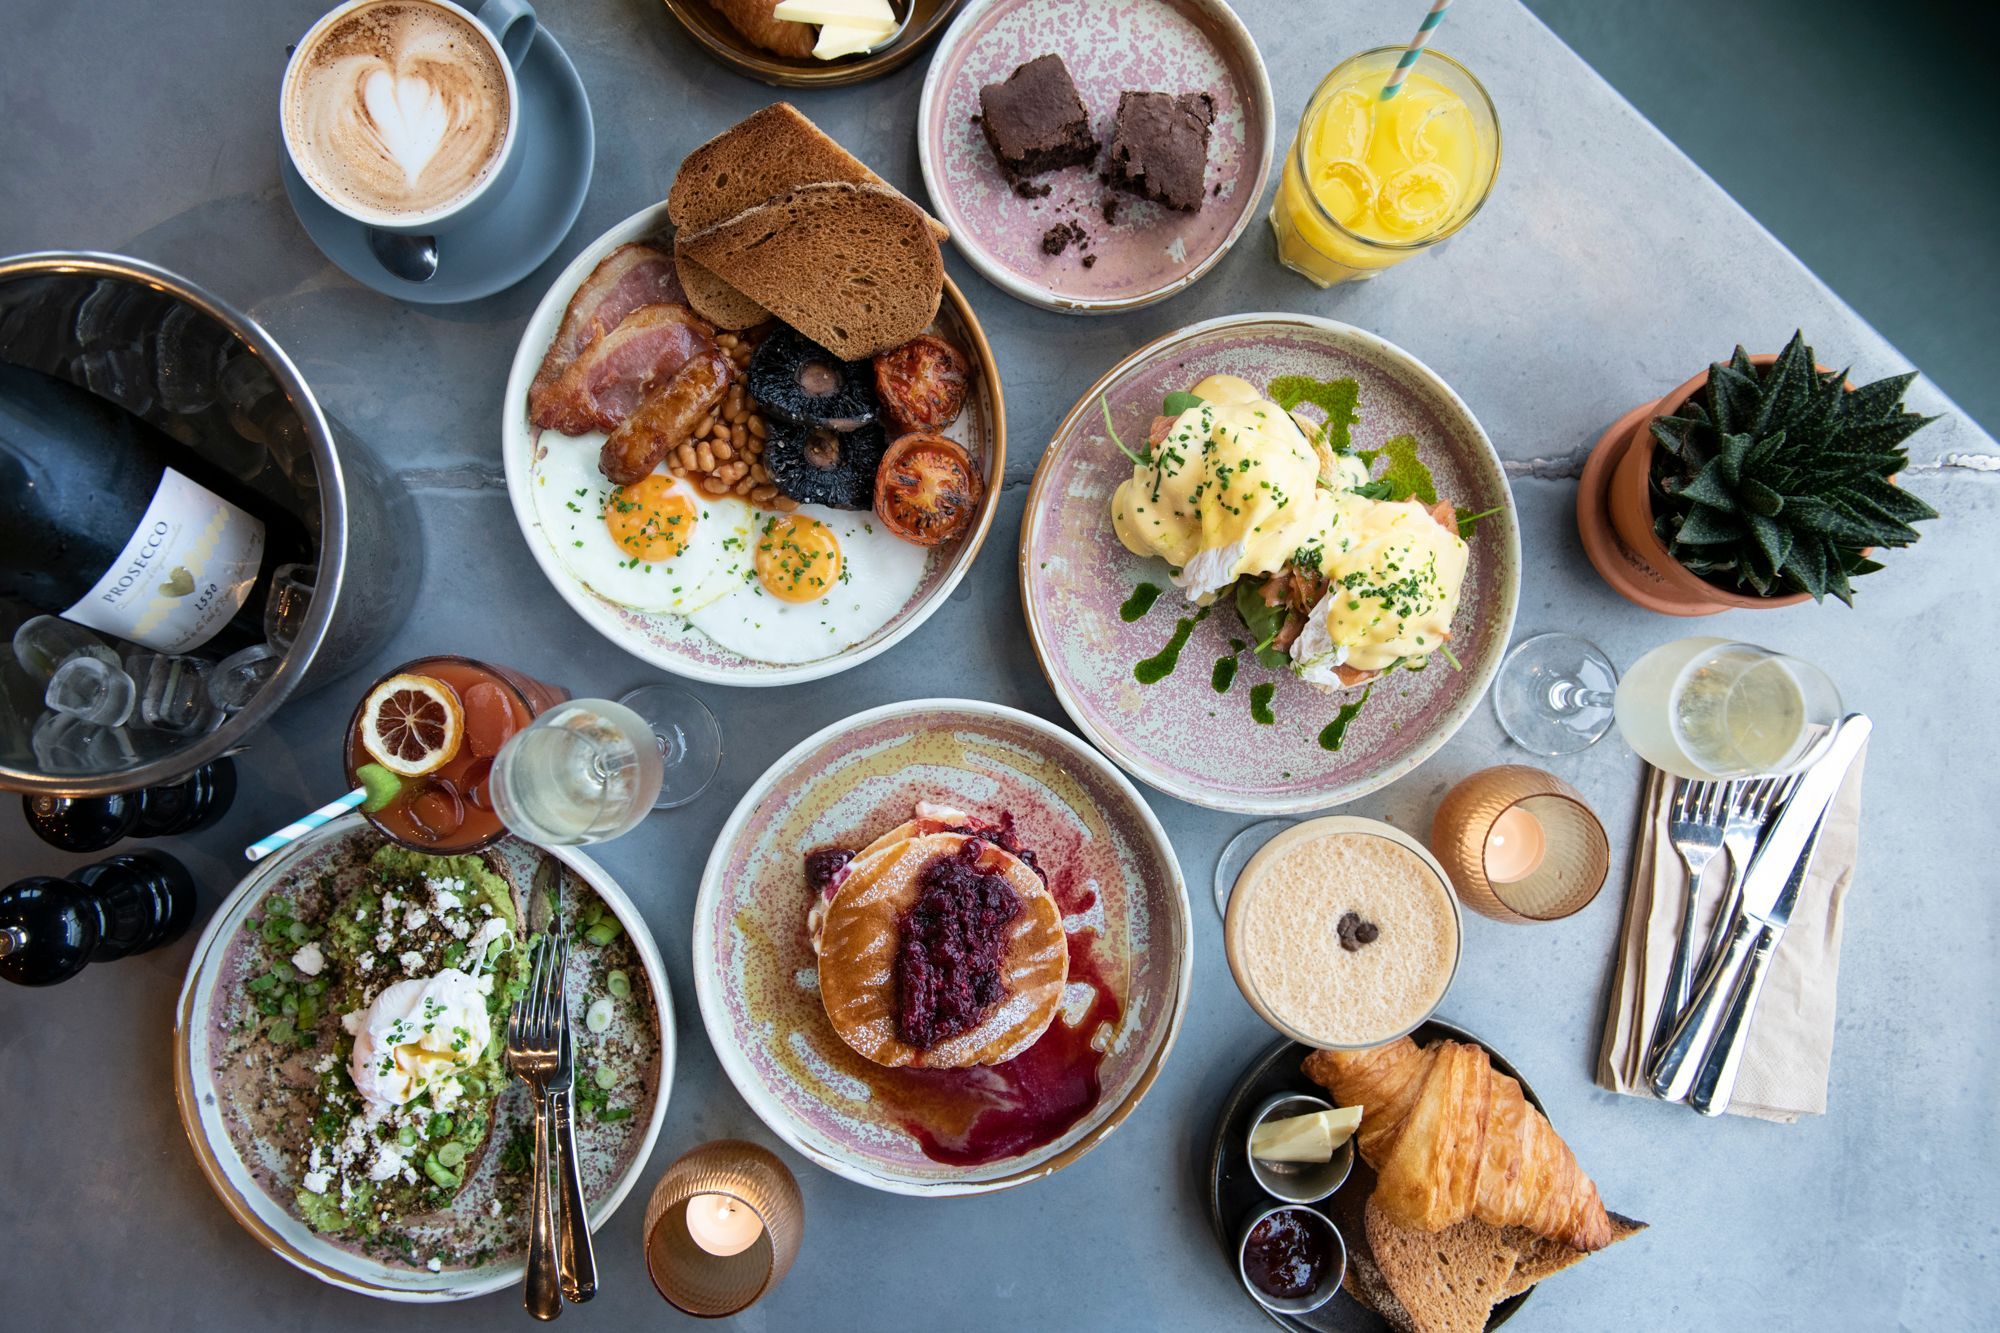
1450,1138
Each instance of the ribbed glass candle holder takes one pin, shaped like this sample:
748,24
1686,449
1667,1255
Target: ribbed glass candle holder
697,1281
1520,845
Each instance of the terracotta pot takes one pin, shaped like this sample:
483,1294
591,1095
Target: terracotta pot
1614,516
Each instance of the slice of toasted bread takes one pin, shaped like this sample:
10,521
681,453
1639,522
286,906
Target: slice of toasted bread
1540,1257
1449,1280
715,300
764,154
853,267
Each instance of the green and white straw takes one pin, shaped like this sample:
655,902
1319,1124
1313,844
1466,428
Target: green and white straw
292,832
1417,44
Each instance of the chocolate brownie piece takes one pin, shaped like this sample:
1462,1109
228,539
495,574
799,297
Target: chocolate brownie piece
1159,147
1035,121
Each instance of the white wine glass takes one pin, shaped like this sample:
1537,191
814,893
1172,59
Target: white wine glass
584,771
1699,708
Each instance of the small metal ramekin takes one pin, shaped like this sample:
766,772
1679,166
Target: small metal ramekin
1296,1182
1318,1296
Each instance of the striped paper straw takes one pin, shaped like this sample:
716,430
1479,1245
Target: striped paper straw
1417,45
291,833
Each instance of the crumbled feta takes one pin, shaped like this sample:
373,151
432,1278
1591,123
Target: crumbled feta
388,1161
309,959
458,926
436,1265
442,897
411,960
321,1065
385,940
493,1208
416,919
317,1182
366,962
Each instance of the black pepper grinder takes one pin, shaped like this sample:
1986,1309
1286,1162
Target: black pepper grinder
92,823
50,928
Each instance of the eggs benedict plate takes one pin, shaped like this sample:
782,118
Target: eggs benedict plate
1269,562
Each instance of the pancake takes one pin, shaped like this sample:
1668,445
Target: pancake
862,933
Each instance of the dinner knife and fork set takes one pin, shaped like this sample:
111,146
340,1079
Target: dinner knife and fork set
1770,828
561,1266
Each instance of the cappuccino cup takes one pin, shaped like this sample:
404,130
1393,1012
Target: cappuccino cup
403,114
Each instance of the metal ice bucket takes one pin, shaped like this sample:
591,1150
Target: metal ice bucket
207,374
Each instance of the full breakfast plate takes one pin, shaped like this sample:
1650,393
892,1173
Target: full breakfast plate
1011,781
418,1196
1044,224
1190,698
565,507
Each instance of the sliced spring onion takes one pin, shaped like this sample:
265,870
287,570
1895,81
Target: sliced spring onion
598,1017
440,1127
258,985
605,1077
283,1030
297,932
277,907
604,932
308,1012
618,984
451,1154
289,1004
441,1174
407,1136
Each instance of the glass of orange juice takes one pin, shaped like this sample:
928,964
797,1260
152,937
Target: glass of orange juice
1367,183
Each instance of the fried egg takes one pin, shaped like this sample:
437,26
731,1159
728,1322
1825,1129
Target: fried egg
816,580
656,545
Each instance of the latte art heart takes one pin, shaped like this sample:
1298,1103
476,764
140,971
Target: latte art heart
410,118
398,109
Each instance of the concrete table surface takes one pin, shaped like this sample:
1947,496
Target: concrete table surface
1605,270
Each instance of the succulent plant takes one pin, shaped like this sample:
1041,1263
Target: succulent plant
1775,480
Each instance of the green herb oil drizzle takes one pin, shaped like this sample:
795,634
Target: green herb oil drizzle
1335,732
1223,675
1139,603
1260,703
1152,670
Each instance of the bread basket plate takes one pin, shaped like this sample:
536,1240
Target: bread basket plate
706,25
1180,734
1233,1194
668,641
1110,869
1147,253
224,1080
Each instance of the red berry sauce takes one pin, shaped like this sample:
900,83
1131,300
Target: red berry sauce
1288,1254
951,948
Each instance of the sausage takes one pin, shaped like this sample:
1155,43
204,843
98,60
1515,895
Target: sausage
667,418
921,385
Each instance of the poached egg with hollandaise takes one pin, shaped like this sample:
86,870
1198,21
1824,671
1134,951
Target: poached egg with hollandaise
1234,488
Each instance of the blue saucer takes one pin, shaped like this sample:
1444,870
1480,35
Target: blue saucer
489,254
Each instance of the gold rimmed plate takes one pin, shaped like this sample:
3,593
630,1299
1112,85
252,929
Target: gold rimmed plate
237,1089
706,25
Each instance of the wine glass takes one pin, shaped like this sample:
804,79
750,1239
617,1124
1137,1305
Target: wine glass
1699,708
689,741
584,771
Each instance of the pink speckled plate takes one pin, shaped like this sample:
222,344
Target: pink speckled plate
1180,734
669,641
1110,868
1109,46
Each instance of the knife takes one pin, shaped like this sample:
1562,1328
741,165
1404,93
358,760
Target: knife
1776,873
1715,1081
576,1263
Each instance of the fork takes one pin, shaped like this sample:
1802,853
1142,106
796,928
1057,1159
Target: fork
533,1056
1694,826
1754,802
576,1261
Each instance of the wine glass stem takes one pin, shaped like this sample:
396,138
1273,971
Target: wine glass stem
1568,695
673,749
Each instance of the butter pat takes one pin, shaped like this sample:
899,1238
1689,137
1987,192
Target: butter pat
837,40
841,13
1305,1138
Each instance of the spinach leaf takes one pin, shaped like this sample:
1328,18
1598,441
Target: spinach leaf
1179,401
1262,621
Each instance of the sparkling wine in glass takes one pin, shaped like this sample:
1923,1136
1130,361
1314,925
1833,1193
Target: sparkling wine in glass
1700,707
584,771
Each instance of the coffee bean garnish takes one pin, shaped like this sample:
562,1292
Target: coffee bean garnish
1354,932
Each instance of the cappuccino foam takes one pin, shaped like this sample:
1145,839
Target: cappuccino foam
398,109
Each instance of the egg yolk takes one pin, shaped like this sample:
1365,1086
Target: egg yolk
650,520
798,559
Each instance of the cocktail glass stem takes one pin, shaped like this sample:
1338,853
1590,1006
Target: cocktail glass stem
690,741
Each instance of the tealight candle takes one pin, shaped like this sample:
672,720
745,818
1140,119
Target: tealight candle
721,1225
1520,844
1514,846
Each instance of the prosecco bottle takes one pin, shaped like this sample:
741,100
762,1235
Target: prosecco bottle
108,522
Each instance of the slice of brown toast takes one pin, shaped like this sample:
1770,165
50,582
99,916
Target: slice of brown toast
853,267
715,300
1541,1257
1448,1281
766,153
